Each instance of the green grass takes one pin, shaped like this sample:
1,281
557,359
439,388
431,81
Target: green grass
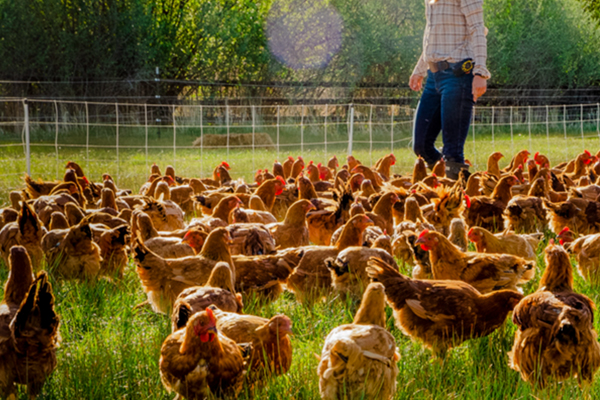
110,351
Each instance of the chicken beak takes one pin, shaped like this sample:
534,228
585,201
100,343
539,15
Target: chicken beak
420,241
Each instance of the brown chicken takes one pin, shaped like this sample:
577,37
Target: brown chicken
359,359
507,243
269,189
382,212
292,232
165,214
323,223
458,234
27,231
271,347
250,216
556,337
164,279
587,251
28,329
579,215
485,272
519,159
217,291
166,247
526,214
264,275
486,212
251,239
113,250
72,253
441,314
312,277
198,362
220,215
444,209
384,164
287,167
348,271
492,164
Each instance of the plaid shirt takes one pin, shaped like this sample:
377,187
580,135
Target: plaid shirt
454,31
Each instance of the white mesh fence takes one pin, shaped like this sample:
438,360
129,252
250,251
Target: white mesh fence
116,136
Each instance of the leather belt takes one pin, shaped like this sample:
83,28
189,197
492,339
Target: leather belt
442,66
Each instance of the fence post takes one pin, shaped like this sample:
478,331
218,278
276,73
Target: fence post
201,141
548,127
87,137
253,110
350,129
302,130
371,135
493,140
117,139
325,126
581,122
56,135
174,139
565,130
278,110
227,123
529,125
474,162
27,148
512,143
146,132
392,129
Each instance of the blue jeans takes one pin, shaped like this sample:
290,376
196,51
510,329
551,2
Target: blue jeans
446,105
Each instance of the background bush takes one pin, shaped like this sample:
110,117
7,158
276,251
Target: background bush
89,47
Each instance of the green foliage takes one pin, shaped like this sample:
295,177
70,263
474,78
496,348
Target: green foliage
78,43
542,43
593,7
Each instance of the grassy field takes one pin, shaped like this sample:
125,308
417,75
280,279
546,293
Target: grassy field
110,351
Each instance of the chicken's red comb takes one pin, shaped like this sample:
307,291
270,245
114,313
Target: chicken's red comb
280,179
470,232
300,158
211,315
520,166
187,234
310,162
468,200
564,230
433,174
536,155
290,158
588,153
425,232
85,180
225,164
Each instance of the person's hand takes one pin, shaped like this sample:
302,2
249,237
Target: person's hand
479,87
415,82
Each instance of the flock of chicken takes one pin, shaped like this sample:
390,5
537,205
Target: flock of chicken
201,245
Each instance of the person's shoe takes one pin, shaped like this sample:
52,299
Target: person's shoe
453,169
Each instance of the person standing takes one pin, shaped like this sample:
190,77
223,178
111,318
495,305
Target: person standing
454,62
